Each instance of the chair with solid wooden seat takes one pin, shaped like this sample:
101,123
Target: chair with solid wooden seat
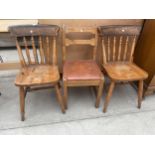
81,72
36,45
118,44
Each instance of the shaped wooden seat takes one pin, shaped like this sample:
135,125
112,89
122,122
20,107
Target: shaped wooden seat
38,75
81,72
36,46
125,72
118,44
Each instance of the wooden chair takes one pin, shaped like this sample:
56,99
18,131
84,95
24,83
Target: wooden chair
81,72
118,43
36,45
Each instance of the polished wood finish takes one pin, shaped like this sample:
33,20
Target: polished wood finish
118,61
144,55
7,41
81,72
38,70
73,52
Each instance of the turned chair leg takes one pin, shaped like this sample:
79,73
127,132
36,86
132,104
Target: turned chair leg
60,98
140,93
65,95
22,103
111,88
99,94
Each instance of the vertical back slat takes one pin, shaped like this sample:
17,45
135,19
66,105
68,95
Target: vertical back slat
95,45
21,57
132,48
108,54
27,50
104,51
34,50
120,47
114,48
54,52
42,56
47,50
126,48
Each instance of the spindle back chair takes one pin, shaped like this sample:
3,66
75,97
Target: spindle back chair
118,45
81,72
36,46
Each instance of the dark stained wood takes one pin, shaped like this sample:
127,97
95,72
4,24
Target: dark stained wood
34,30
37,69
144,55
81,72
118,63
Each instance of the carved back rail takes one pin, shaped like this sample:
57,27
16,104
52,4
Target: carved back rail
118,42
70,40
36,44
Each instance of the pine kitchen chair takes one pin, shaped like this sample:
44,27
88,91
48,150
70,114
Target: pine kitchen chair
81,72
36,45
118,44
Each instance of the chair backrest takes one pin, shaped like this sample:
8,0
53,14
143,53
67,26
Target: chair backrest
36,44
72,37
118,42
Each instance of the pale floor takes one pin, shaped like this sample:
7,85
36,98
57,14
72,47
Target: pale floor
43,115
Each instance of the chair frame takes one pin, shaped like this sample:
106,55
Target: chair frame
91,42
25,36
109,53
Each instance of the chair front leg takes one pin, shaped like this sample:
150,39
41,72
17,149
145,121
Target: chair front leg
99,94
65,94
22,102
140,93
111,88
59,96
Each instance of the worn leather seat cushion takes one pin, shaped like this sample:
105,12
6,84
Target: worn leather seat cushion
81,70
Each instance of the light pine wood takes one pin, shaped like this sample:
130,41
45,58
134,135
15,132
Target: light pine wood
39,70
133,48
42,56
120,48
114,48
10,66
27,50
54,52
118,64
34,50
47,50
126,49
21,57
77,73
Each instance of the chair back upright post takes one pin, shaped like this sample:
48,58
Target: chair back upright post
36,44
118,42
71,41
